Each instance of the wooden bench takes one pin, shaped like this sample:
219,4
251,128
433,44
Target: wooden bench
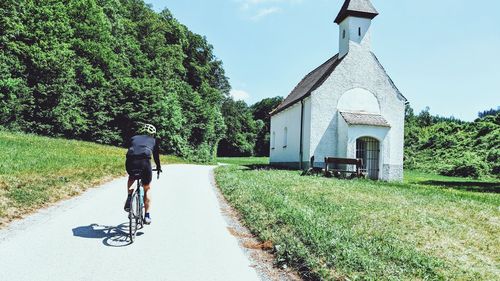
346,173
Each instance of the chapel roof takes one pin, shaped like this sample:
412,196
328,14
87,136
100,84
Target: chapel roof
315,79
357,8
355,118
309,83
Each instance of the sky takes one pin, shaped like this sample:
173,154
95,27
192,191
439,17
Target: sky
442,54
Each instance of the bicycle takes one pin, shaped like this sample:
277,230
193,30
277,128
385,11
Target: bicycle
136,212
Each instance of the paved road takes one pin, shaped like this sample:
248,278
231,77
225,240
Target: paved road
85,238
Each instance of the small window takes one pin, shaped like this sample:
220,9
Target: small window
273,140
359,32
285,138
343,34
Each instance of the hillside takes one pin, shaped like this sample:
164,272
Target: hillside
37,171
452,147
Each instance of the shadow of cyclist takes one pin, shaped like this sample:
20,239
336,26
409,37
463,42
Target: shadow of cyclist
113,236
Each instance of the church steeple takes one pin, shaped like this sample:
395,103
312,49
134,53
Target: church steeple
356,8
354,20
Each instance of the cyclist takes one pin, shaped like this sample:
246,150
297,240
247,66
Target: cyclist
142,147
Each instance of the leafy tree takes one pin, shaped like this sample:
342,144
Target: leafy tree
261,111
242,131
452,147
94,69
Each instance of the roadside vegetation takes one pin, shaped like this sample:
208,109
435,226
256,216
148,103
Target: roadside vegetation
428,228
92,69
242,161
452,147
37,171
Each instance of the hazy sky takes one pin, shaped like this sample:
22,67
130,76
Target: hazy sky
443,54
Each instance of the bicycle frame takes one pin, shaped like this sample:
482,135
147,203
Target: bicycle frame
137,212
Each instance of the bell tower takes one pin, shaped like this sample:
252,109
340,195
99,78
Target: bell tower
354,20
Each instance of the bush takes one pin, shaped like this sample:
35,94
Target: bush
469,166
438,144
494,160
204,153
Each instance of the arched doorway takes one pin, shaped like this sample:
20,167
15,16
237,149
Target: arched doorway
368,149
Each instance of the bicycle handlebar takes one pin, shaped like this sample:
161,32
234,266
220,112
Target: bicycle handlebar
157,173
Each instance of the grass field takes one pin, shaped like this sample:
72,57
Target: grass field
427,228
37,171
244,160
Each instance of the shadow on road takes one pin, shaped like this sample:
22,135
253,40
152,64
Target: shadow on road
112,236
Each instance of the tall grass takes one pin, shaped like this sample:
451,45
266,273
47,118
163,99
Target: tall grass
428,228
244,160
36,171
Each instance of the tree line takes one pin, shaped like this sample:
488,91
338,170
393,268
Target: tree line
453,147
95,69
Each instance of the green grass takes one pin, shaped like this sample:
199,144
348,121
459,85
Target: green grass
244,160
427,228
36,171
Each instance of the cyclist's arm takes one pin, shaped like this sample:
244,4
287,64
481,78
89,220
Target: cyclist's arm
156,154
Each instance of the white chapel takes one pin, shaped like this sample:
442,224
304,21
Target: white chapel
348,107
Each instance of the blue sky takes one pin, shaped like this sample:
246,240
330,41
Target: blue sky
443,54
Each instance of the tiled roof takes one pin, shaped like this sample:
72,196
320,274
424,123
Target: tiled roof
357,8
352,118
309,83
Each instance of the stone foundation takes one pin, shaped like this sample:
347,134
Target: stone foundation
392,172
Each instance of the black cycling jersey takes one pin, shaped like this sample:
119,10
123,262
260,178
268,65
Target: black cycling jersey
142,147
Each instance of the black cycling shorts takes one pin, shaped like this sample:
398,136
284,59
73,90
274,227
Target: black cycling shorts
139,169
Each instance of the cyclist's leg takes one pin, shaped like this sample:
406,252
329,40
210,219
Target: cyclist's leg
130,182
147,176
132,167
147,197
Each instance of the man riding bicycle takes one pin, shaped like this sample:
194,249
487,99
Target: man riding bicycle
138,164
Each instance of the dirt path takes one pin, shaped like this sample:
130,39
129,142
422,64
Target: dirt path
86,238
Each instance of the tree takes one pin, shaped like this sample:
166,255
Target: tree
94,69
242,129
450,146
490,112
260,111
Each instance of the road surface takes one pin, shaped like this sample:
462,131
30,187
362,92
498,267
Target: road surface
85,238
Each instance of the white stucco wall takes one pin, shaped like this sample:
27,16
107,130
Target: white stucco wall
359,69
351,26
359,100
343,137
289,118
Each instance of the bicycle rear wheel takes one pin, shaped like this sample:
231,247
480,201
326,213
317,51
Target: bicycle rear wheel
133,214
140,208
140,217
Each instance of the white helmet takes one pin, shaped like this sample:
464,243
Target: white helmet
148,129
